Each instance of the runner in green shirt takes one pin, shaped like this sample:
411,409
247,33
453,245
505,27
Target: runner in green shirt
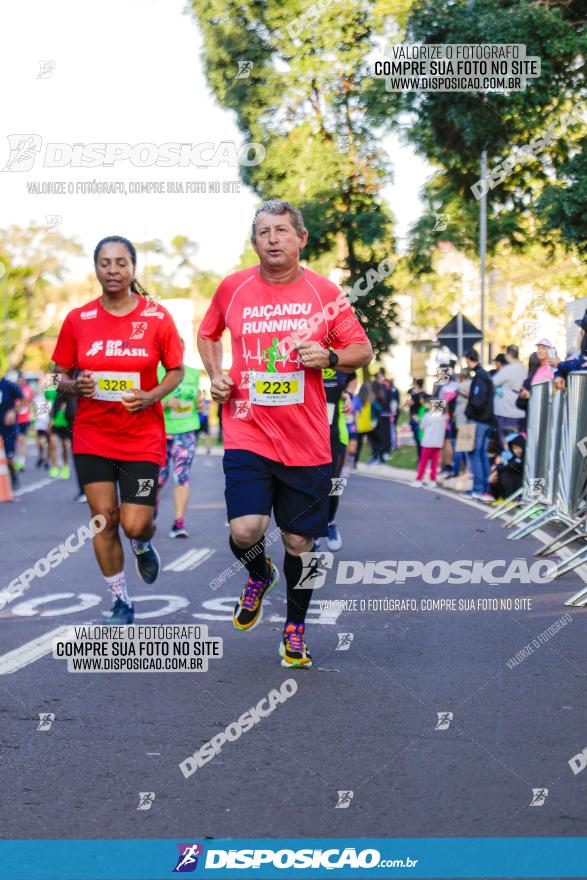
182,422
60,432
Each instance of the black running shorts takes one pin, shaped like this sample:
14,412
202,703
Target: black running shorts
299,496
62,432
136,480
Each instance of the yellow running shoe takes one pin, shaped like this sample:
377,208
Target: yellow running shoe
248,611
293,649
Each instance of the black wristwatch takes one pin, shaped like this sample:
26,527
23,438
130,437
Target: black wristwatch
332,358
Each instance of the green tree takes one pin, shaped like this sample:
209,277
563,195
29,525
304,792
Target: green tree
564,205
33,295
451,129
521,287
176,273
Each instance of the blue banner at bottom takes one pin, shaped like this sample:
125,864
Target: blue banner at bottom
228,859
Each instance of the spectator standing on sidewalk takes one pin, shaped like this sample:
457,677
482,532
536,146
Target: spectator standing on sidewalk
507,382
544,350
573,363
479,410
460,419
382,394
500,362
446,388
415,396
394,413
366,411
524,396
433,425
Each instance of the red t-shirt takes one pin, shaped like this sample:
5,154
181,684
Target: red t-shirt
24,414
261,317
128,348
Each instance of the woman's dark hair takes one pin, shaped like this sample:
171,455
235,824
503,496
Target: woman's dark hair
364,394
119,239
533,364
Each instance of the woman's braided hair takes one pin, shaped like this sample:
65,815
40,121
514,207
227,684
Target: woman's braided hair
135,286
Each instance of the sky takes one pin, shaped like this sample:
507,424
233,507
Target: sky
130,72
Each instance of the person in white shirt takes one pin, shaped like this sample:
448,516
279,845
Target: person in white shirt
508,383
41,408
460,419
433,425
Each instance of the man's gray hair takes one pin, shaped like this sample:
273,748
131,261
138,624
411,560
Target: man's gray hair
277,207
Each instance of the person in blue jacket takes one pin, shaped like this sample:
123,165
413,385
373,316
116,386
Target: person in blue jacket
574,363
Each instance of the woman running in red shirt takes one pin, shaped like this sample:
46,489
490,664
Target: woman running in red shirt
117,341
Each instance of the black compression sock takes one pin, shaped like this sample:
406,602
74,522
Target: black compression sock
298,601
253,558
332,508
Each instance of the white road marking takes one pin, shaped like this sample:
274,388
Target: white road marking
329,616
219,617
90,600
220,608
174,603
37,648
190,560
32,487
29,608
34,650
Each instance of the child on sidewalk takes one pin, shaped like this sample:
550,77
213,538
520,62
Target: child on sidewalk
433,426
508,474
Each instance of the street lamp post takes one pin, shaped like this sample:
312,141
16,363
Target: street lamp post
483,248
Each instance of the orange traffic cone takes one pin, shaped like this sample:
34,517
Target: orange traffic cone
5,490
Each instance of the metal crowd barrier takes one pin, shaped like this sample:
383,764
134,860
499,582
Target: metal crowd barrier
554,485
536,457
546,434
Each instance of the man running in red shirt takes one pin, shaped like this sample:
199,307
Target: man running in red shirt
117,341
276,431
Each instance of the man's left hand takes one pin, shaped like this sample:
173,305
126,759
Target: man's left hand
313,355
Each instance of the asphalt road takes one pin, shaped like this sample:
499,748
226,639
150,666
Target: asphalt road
363,720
